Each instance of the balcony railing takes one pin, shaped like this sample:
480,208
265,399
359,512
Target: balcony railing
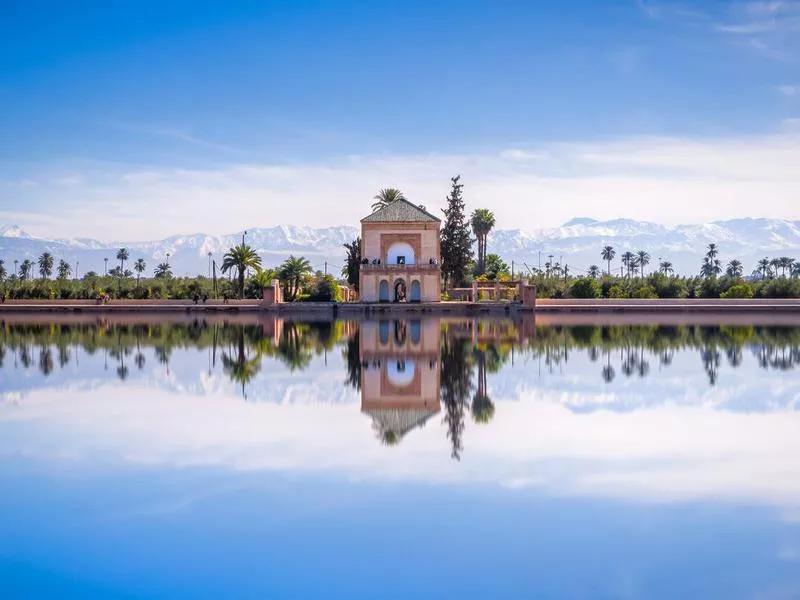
394,267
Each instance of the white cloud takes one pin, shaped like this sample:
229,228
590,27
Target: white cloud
789,90
668,180
666,453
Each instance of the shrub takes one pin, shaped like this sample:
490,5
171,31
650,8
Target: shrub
780,288
741,290
325,290
616,291
668,287
646,291
585,287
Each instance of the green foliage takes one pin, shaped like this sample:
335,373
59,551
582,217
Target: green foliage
616,291
585,287
495,267
668,287
385,197
456,241
781,287
325,289
741,290
241,258
352,264
645,291
482,222
292,273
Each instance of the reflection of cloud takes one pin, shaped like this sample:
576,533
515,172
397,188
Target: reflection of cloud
663,454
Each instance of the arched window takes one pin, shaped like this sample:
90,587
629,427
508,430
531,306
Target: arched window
415,295
383,332
400,253
383,291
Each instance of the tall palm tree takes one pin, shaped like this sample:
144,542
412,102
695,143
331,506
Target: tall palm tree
775,264
46,261
163,271
122,256
25,269
139,266
482,221
786,263
291,273
795,269
64,270
665,267
711,267
385,197
764,267
712,251
241,258
608,255
594,271
734,268
628,261
642,259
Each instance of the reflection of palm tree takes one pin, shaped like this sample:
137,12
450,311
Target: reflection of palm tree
352,357
608,370
139,360
482,405
293,349
46,361
710,357
240,368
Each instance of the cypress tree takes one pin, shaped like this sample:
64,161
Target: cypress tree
456,237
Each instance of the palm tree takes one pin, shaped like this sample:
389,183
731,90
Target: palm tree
25,269
64,270
712,251
665,267
628,261
482,221
734,268
122,256
795,269
139,266
764,268
163,271
608,255
3,271
240,257
46,261
642,259
594,271
775,264
711,267
785,263
385,197
291,273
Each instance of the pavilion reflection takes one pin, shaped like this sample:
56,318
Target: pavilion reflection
400,375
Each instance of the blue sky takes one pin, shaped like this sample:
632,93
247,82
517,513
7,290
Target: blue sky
173,117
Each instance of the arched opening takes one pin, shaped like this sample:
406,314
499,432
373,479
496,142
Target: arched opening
383,332
416,332
401,253
415,295
400,291
383,291
400,372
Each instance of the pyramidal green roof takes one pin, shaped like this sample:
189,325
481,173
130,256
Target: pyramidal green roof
401,211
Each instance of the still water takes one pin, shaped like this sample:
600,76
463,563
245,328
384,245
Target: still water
434,458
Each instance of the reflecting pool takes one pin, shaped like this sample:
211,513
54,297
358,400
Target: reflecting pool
423,458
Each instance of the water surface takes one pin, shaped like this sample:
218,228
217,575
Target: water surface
433,458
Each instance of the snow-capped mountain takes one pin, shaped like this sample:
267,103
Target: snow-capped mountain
577,243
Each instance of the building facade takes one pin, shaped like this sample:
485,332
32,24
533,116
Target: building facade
400,255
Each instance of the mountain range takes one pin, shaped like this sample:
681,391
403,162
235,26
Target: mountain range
577,243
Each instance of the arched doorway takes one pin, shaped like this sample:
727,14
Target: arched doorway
383,291
400,291
415,294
